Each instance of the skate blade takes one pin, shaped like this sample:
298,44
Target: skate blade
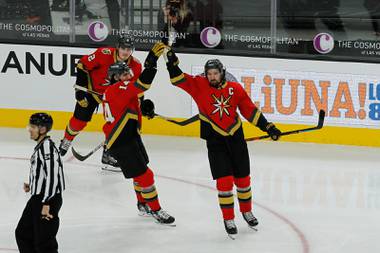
144,215
232,236
253,228
165,224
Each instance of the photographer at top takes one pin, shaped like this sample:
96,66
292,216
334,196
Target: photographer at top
176,14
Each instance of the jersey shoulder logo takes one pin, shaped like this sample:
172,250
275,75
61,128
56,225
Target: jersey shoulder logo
106,51
221,105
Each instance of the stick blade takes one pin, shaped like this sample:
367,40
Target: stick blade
77,155
321,119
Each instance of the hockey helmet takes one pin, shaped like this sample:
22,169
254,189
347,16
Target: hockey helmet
215,64
125,41
41,119
118,69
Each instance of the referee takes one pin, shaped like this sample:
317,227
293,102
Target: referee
37,229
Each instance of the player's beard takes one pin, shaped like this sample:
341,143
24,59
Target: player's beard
215,83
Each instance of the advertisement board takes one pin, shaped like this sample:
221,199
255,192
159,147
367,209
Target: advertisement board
297,96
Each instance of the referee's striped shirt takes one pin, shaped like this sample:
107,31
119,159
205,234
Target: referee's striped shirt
46,171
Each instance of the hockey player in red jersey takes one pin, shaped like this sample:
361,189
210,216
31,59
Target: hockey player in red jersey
92,74
221,127
121,106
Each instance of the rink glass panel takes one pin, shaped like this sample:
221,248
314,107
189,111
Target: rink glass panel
309,29
34,22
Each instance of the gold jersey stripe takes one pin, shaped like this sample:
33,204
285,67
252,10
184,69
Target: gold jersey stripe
178,79
115,56
232,129
119,127
256,118
141,85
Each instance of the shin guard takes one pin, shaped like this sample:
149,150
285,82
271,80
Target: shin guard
244,193
224,186
137,188
148,190
74,127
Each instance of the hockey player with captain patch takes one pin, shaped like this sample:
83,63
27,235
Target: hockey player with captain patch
221,127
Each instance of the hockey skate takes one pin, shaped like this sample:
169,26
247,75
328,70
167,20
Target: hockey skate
231,228
107,160
251,220
144,210
64,146
163,218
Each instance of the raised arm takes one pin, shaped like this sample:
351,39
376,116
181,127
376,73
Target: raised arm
177,77
145,79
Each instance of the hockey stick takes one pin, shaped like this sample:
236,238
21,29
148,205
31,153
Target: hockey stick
171,33
84,157
319,126
76,86
171,38
181,123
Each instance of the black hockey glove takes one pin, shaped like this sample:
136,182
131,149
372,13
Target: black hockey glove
153,55
172,59
273,131
80,96
147,108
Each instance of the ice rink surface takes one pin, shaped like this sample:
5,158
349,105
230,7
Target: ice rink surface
308,198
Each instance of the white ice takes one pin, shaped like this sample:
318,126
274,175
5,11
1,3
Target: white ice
307,197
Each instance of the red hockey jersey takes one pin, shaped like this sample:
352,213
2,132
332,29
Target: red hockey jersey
97,64
121,104
218,106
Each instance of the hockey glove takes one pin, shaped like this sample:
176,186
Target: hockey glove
273,131
80,96
154,54
172,59
147,108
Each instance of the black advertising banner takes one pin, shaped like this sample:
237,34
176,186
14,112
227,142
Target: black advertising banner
329,30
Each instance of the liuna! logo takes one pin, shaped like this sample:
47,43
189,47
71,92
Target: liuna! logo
323,43
97,31
210,37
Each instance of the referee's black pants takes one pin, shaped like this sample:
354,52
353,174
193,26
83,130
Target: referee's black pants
37,235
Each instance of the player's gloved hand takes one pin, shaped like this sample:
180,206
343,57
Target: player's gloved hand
147,108
273,131
153,55
172,59
80,96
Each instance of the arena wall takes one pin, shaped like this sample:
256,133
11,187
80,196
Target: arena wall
289,92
